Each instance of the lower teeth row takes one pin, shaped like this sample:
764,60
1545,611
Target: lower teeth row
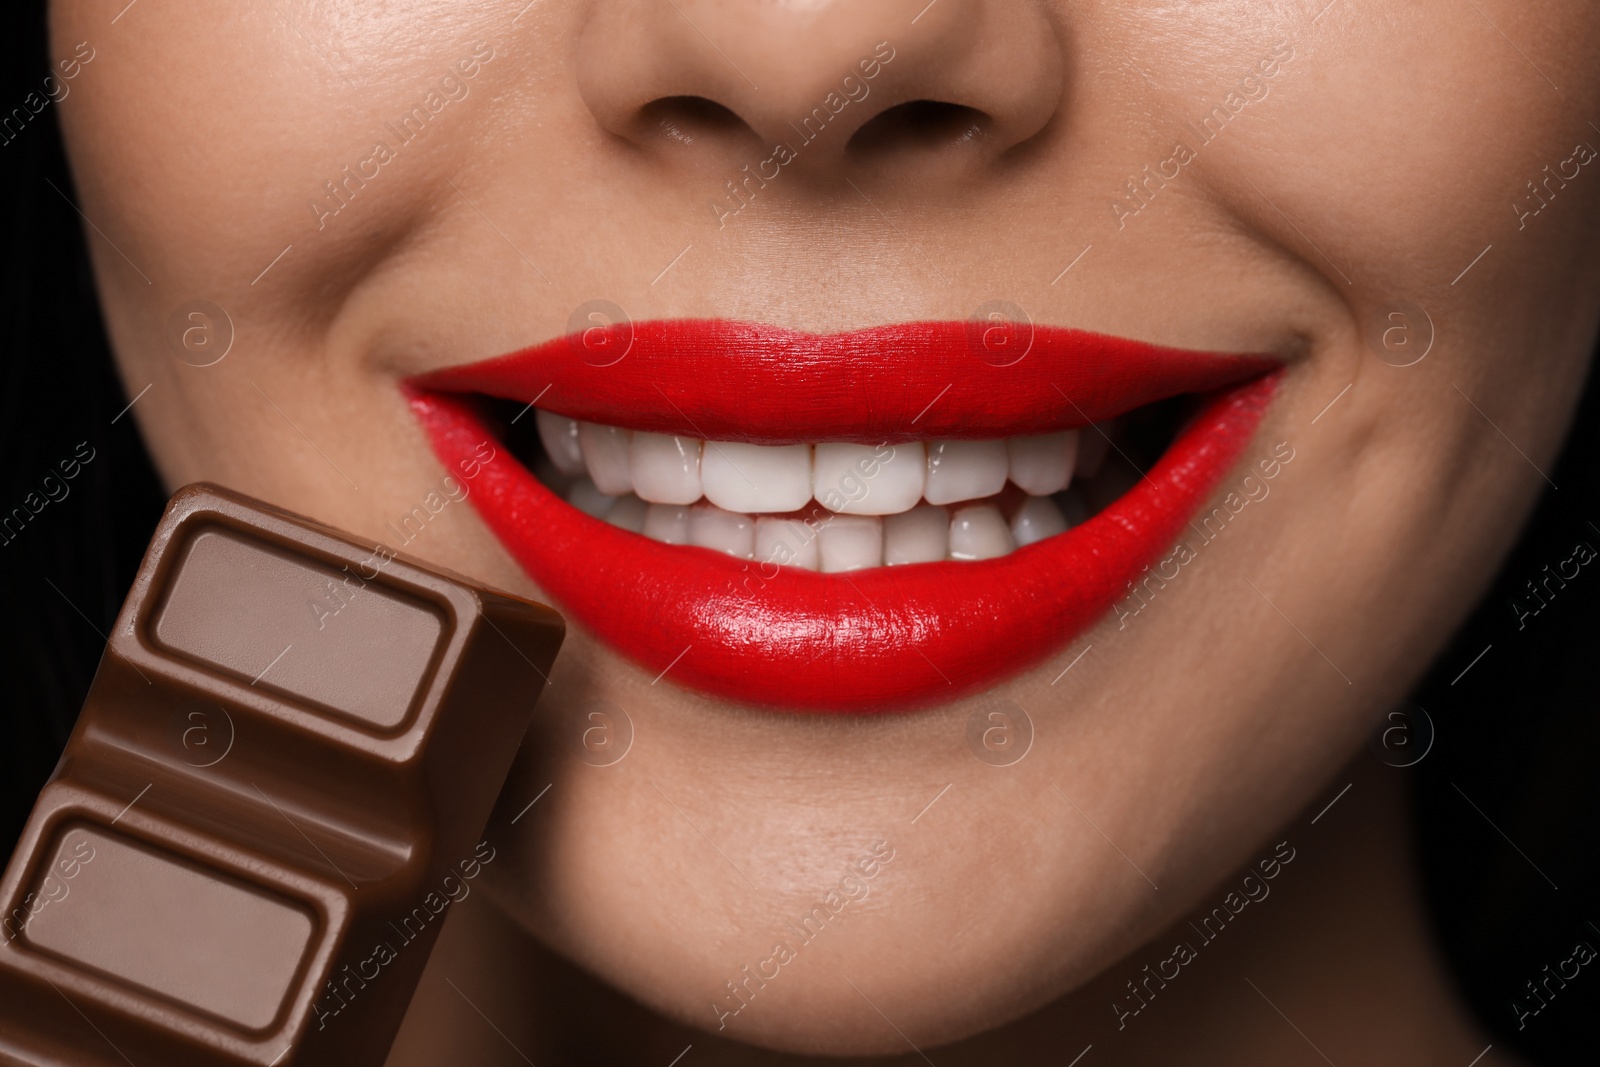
832,543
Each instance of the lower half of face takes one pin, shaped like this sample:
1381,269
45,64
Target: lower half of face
970,467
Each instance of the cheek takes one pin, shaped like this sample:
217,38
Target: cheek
198,141
226,121
1395,184
190,143
1437,184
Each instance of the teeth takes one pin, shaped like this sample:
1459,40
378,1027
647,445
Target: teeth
586,498
863,480
743,477
1042,465
978,532
628,512
786,542
921,535
724,531
925,534
850,542
887,502
1037,519
667,523
605,450
559,435
1093,446
965,470
665,469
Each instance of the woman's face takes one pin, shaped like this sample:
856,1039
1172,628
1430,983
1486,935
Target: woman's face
1344,189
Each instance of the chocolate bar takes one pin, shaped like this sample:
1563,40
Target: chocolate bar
279,779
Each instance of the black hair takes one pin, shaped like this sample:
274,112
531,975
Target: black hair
1506,797
68,546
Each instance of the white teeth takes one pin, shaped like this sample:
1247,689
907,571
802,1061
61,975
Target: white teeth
868,480
665,469
1037,519
628,512
887,501
559,435
925,534
1093,446
921,535
667,523
589,500
978,532
965,470
743,477
605,450
850,542
1043,465
786,542
723,531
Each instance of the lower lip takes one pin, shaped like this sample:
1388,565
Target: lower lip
877,640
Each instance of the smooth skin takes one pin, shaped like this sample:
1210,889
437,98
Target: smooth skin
1389,147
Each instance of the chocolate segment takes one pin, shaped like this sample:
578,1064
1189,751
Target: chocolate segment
279,779
178,930
271,619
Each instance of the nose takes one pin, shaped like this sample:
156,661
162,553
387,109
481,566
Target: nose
833,81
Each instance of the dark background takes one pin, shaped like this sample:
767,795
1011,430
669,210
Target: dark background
1518,734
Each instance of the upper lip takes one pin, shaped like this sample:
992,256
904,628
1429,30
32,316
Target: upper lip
737,381
879,639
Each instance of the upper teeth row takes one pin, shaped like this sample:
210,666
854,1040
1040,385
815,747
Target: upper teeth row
845,478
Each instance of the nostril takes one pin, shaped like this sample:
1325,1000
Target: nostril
688,120
917,125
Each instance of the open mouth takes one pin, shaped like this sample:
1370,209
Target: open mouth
860,522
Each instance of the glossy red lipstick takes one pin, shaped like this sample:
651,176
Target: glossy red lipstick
880,639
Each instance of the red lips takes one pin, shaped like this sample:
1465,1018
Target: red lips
881,639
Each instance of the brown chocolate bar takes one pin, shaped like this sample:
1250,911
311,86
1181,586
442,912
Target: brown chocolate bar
277,785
